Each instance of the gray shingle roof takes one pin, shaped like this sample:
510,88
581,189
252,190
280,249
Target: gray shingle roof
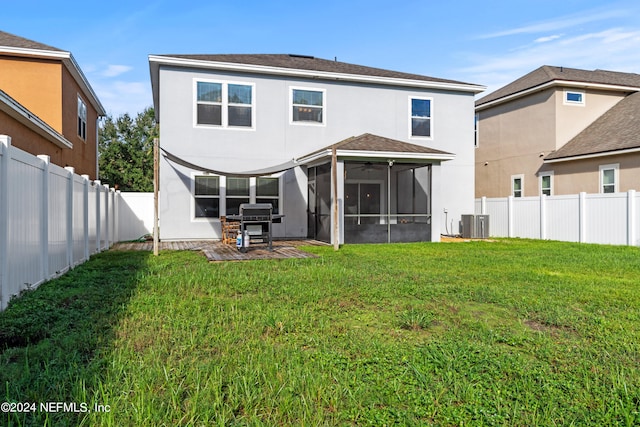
617,129
547,73
303,62
11,40
369,142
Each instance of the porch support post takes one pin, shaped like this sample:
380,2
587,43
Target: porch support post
334,181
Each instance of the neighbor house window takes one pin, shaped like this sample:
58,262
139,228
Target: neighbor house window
420,117
546,183
476,122
307,106
609,178
517,186
572,97
268,191
237,193
207,196
82,119
224,104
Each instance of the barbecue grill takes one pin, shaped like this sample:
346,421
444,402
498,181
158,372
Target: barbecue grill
256,220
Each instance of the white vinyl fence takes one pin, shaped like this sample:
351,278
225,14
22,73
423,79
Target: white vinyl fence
588,218
51,220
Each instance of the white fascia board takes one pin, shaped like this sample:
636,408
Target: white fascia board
69,61
594,155
386,155
558,83
33,122
294,72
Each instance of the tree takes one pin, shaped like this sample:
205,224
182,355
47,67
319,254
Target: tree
125,151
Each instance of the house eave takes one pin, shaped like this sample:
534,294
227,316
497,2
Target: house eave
69,61
375,155
30,120
593,155
556,83
324,75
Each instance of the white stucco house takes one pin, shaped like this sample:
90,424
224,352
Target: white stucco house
262,128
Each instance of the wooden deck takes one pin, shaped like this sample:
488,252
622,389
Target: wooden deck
217,251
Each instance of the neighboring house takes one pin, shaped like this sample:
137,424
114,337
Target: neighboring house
559,131
40,85
262,128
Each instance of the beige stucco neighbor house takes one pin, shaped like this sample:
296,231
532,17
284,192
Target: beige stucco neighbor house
559,131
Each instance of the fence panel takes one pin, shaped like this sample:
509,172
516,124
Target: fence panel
606,218
589,218
58,212
45,221
24,222
526,217
563,213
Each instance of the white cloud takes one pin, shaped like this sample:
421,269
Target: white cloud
547,38
558,23
119,97
115,70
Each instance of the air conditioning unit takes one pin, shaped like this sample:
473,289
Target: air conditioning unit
474,226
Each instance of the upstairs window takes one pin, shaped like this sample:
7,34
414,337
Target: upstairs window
420,117
307,106
224,104
82,119
573,97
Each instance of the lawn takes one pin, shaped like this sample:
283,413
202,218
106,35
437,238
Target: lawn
513,332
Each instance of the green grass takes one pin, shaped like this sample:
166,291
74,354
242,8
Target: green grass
514,332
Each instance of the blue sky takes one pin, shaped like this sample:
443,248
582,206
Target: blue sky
489,43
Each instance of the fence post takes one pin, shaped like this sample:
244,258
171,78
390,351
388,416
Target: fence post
582,220
44,218
106,215
70,172
5,146
510,216
631,217
96,183
543,217
483,205
85,215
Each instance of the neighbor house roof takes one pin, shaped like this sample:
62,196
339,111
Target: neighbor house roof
368,146
17,111
547,76
13,45
617,131
301,66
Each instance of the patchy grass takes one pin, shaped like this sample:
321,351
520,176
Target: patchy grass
512,332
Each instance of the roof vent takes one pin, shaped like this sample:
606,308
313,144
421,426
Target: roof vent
301,56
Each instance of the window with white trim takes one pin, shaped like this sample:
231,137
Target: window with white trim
573,97
609,178
546,183
476,123
206,194
307,106
420,117
82,119
237,193
517,185
224,104
268,191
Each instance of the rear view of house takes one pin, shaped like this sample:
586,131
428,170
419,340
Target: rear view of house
47,105
559,131
265,128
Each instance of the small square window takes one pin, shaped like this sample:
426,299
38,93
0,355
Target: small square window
573,97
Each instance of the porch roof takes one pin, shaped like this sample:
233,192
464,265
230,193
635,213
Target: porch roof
374,147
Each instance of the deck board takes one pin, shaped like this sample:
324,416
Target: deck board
216,251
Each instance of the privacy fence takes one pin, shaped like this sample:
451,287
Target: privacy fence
52,220
587,218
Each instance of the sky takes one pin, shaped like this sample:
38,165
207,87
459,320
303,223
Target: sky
489,43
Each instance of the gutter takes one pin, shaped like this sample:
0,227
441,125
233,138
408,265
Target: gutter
592,156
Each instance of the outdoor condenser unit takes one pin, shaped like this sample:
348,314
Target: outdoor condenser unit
474,226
